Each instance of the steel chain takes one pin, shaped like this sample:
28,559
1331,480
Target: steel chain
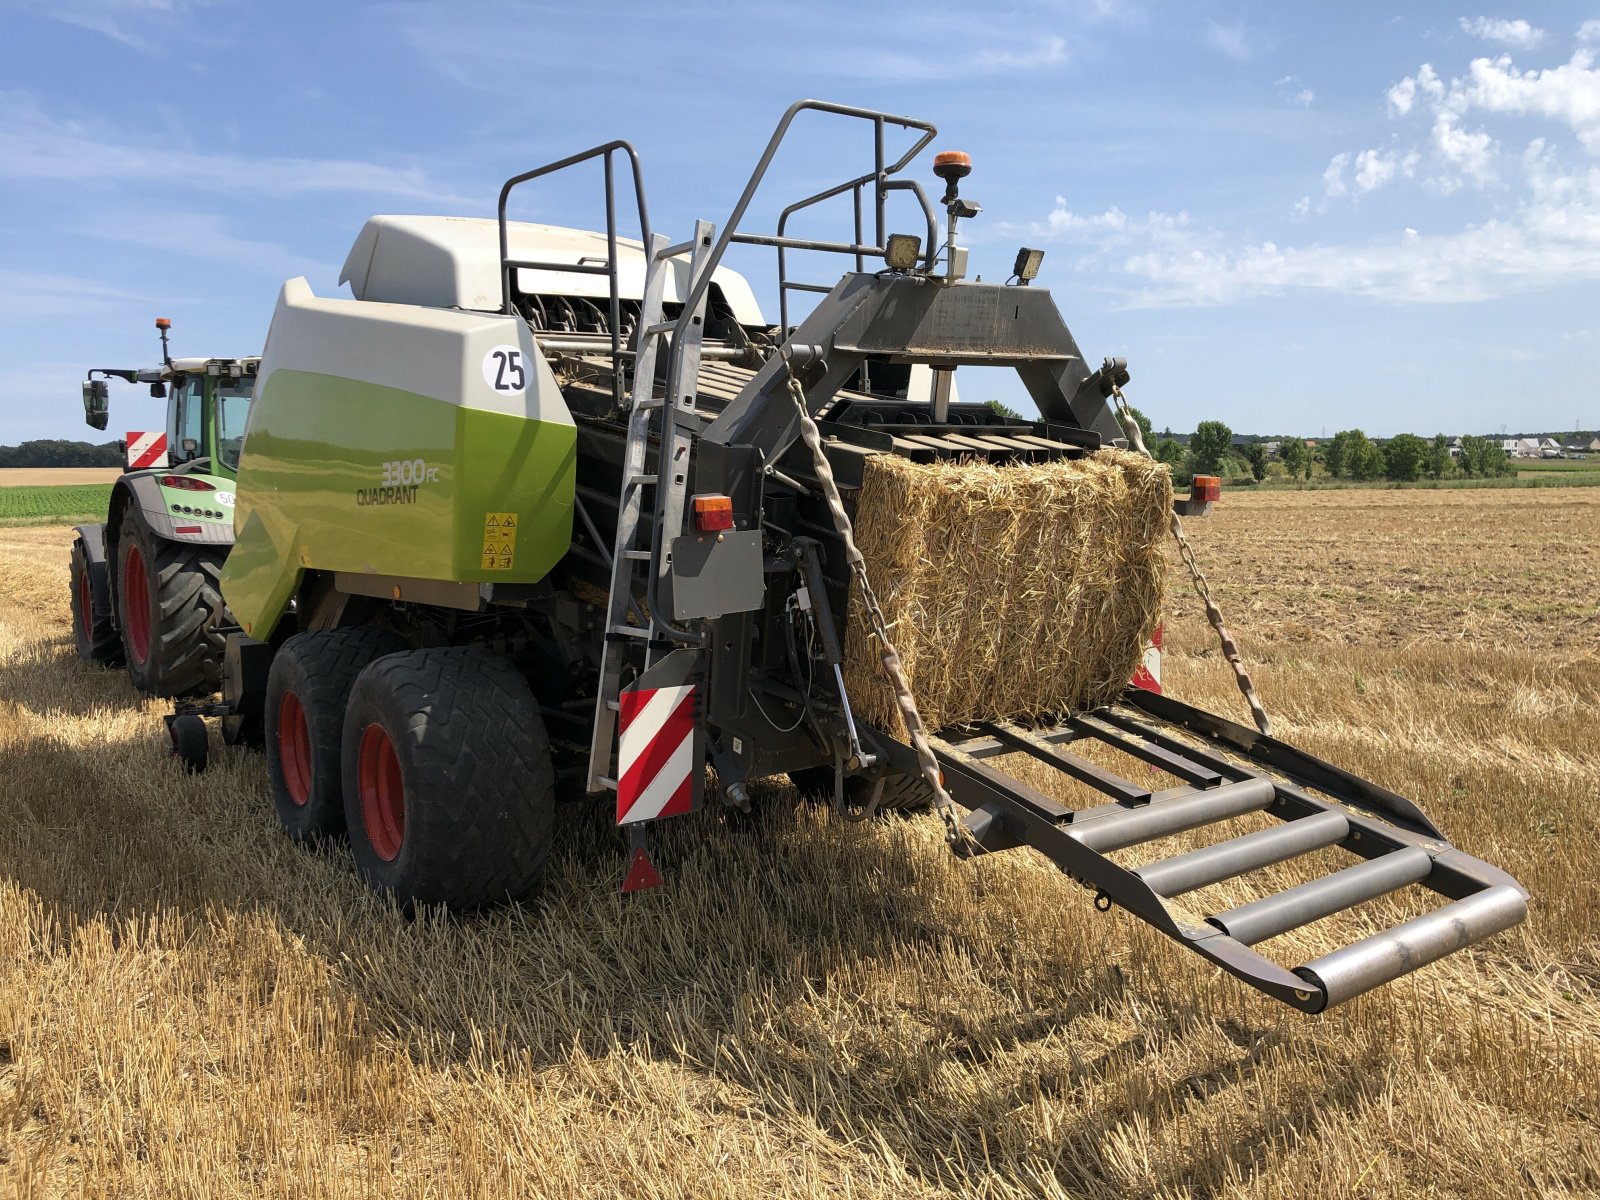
1230,649
955,832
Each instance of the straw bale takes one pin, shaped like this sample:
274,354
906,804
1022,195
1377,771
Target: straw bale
1010,591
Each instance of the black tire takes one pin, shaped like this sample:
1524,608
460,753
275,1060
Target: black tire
92,628
901,793
170,609
308,687
448,781
189,742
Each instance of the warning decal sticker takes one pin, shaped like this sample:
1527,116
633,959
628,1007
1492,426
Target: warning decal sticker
499,541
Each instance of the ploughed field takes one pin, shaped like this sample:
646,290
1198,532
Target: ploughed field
191,1006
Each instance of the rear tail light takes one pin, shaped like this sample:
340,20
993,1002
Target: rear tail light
1206,488
186,483
713,513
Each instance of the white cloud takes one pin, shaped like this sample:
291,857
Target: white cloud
140,25
1333,175
1238,41
1470,154
1165,260
1569,93
36,146
29,294
1589,31
1402,96
1374,168
1516,33
1290,89
201,237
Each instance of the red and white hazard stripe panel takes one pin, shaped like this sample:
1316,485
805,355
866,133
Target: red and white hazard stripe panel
656,764
1147,674
146,450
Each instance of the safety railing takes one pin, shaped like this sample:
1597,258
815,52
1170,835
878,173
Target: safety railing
586,265
879,177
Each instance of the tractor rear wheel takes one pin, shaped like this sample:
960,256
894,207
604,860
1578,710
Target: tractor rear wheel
173,619
307,690
449,787
96,636
903,793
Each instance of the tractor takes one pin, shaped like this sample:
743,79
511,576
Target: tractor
146,586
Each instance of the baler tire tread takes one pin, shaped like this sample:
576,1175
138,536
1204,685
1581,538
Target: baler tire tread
479,779
901,793
320,666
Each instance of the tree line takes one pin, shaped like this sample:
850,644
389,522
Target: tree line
56,452
1350,454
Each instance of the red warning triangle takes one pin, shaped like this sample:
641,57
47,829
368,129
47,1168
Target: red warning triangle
642,873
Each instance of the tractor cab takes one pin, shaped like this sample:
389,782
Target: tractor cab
207,402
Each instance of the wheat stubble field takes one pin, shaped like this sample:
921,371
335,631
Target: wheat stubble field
192,1007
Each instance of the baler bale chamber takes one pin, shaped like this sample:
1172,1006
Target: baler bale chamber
705,609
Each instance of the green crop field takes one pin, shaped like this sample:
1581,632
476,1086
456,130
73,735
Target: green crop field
47,504
1540,466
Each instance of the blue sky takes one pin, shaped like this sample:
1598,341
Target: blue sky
1289,218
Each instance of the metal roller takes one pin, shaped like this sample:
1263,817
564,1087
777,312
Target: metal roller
1129,827
1395,952
1272,915
1240,855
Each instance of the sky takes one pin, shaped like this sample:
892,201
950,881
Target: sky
1291,218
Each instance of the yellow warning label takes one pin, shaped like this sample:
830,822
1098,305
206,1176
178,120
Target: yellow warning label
499,541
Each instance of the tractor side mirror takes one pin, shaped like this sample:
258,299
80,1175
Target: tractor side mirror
96,402
158,391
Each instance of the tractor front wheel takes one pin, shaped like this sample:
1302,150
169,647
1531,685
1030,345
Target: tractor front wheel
449,788
307,690
173,618
91,610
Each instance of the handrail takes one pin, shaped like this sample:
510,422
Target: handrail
885,185
881,173
507,264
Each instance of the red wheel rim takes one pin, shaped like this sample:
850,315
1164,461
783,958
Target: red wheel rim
294,749
136,604
85,613
383,793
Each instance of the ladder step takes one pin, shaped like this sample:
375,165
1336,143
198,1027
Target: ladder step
1241,855
642,480
1272,915
637,555
1376,960
1122,827
630,631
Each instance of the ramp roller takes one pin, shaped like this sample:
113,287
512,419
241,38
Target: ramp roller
1386,956
1272,915
1128,827
1241,855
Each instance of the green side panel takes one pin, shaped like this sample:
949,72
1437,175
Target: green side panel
342,475
213,508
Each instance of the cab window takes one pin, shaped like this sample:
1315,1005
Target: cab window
186,442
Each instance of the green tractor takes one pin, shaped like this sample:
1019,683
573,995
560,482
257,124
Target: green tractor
145,584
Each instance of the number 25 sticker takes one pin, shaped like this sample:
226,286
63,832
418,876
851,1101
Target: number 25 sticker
504,369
